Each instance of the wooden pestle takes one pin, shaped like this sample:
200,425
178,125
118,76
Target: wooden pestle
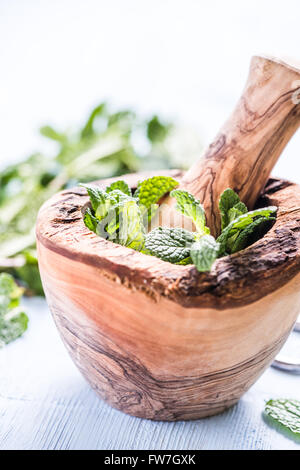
247,147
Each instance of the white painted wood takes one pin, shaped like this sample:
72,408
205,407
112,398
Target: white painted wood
46,404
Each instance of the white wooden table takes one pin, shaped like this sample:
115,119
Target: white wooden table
46,404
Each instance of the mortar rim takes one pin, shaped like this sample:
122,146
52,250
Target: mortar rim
271,261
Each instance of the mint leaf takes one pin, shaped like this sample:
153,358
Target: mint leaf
114,206
97,196
285,412
151,190
132,231
191,207
204,253
103,201
116,196
12,326
253,232
124,225
169,244
121,186
115,215
13,322
90,220
10,293
240,223
235,211
230,207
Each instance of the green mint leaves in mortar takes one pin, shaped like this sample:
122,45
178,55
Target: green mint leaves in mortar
191,207
170,244
151,190
13,321
117,215
121,186
230,207
240,226
286,413
204,253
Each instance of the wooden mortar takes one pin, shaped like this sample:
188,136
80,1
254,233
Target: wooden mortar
163,341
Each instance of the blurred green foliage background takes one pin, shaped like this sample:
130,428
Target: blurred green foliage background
107,144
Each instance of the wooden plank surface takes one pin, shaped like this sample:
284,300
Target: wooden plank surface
46,404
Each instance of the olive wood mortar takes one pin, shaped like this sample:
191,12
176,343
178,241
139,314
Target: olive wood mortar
162,341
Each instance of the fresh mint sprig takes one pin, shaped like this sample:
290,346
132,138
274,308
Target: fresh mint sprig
204,253
115,215
236,227
170,244
230,207
191,207
121,186
120,217
151,190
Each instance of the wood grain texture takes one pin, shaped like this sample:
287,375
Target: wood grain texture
247,147
162,341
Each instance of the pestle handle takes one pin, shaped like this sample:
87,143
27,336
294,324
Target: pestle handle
247,147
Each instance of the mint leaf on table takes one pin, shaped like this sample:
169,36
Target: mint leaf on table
191,207
286,412
12,326
240,223
169,244
121,186
151,190
13,322
230,207
204,253
10,293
